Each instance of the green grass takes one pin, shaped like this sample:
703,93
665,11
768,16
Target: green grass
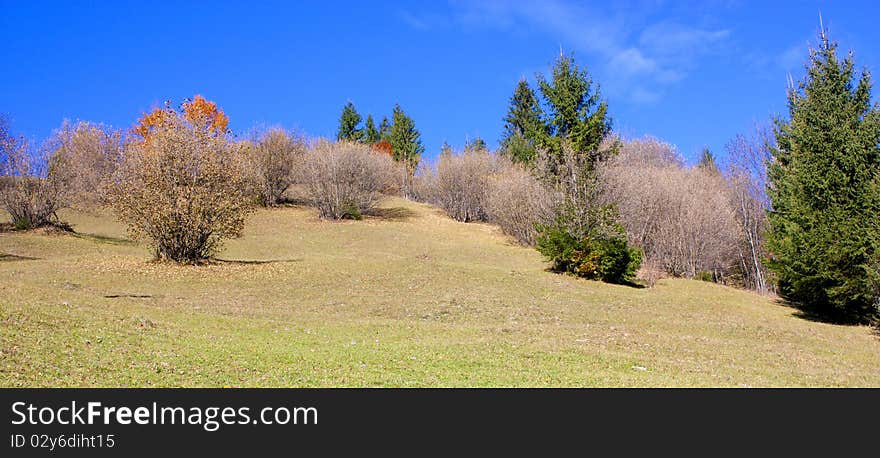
409,299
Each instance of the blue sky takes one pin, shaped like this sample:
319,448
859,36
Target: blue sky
691,73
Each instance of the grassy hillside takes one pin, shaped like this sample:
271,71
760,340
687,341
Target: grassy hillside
410,298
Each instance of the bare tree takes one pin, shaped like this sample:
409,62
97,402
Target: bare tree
30,191
461,183
347,180
517,202
747,177
273,156
83,157
183,189
680,217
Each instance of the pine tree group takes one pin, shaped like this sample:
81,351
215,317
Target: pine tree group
398,138
572,112
348,124
825,191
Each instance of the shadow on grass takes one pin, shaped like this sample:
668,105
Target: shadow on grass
252,262
103,238
6,257
294,202
53,227
631,284
806,313
391,214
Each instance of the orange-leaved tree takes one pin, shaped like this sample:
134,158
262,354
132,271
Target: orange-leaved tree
202,113
382,146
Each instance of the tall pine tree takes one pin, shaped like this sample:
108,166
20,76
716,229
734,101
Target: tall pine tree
385,129
477,144
571,111
445,149
371,135
824,188
576,111
707,161
348,124
406,141
524,130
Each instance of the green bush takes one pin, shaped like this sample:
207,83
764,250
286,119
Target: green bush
606,258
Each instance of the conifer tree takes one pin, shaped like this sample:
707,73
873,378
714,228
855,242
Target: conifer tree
406,141
446,149
824,186
576,111
477,144
524,129
371,135
348,124
707,161
585,238
385,129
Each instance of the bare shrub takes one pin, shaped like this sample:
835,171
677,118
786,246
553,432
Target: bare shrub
423,182
649,272
272,158
747,178
83,158
29,191
347,180
681,218
517,201
461,184
183,189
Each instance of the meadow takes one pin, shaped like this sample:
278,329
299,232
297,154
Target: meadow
404,298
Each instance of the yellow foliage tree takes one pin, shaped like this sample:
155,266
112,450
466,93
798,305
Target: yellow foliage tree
198,111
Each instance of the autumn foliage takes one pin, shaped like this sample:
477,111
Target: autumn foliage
184,189
198,111
384,147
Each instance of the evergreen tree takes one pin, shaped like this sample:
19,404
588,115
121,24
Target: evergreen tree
348,124
477,144
371,135
576,110
406,141
585,239
707,161
445,149
524,129
385,129
824,188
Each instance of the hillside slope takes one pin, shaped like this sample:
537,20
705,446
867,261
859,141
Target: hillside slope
410,298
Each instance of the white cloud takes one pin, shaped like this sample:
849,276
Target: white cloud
413,21
641,58
632,62
675,40
792,58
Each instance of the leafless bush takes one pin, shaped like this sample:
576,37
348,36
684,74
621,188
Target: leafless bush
650,272
516,201
347,180
183,189
29,191
423,182
83,158
747,178
272,160
461,184
681,218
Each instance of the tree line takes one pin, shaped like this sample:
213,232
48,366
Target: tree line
792,208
